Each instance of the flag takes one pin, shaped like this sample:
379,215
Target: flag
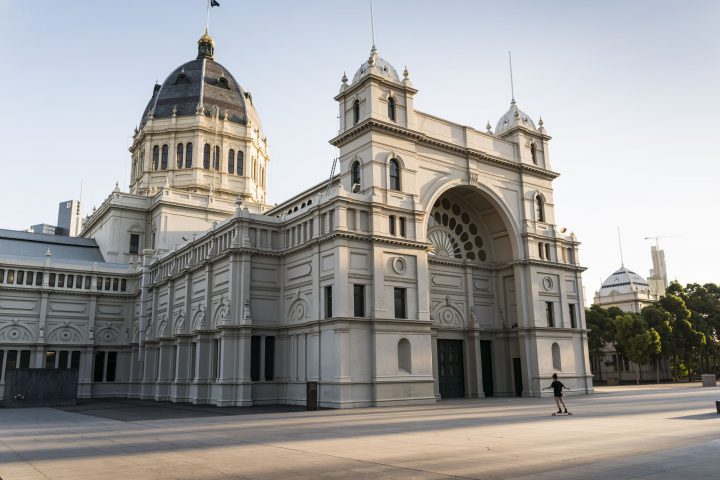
214,3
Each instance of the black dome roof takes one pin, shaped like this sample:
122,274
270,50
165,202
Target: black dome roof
199,82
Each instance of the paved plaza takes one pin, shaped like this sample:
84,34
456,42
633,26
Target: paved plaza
649,432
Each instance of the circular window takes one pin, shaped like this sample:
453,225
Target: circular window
446,204
452,223
465,218
473,229
464,237
482,256
478,242
470,255
458,229
438,217
455,209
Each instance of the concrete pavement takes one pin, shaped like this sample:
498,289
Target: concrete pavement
648,432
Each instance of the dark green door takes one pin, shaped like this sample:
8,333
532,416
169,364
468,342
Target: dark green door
450,369
487,369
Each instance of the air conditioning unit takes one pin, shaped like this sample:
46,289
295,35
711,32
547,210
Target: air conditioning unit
356,188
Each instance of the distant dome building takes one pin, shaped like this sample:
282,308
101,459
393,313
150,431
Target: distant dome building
626,290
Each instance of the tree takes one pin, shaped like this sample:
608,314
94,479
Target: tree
638,342
601,334
659,320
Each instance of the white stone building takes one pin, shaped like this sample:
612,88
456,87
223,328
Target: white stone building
430,266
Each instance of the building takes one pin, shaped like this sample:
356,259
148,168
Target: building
429,266
658,278
68,222
625,290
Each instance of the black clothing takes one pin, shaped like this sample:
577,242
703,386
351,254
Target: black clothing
557,387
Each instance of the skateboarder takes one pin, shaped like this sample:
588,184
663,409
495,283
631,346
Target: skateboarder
557,387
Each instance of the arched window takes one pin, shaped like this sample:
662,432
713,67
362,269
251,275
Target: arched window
216,158
404,356
557,365
391,108
539,209
356,111
156,157
141,167
164,161
180,151
533,153
188,155
355,173
206,156
231,161
394,175
240,162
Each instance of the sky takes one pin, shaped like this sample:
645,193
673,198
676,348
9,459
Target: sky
627,89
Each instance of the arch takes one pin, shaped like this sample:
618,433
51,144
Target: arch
404,356
107,336
394,174
240,163
180,151
557,365
188,155
216,158
539,208
65,334
231,161
206,156
446,315
355,173
299,309
156,157
356,112
164,159
391,108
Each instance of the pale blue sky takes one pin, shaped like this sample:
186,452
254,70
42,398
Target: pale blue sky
626,88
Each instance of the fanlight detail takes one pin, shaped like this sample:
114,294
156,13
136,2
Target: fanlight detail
444,245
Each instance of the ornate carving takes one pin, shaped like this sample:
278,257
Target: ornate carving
299,309
199,322
15,333
447,316
65,334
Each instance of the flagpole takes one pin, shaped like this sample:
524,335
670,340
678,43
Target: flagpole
207,19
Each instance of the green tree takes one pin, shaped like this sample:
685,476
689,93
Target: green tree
601,334
659,320
638,342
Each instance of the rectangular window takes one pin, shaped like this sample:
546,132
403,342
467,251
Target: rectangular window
123,285
30,278
99,366
50,359
70,280
88,279
541,250
328,301
20,277
63,359
391,224
61,280
255,358
216,359
403,233
269,358
52,280
134,243
11,277
2,370
573,321
75,359
547,252
39,279
193,356
99,283
111,365
549,314
2,275
571,255
107,284
173,362
25,359
11,360
359,300
400,308
116,284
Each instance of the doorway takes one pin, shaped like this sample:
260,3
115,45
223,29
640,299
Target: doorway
487,369
517,375
451,374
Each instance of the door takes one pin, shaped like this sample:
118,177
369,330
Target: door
487,369
517,374
450,369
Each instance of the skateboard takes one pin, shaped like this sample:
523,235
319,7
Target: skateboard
555,414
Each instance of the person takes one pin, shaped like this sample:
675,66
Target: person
557,387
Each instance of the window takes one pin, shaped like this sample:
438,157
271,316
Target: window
70,281
188,155
193,362
355,173
2,275
549,314
180,149
556,357
239,169
356,112
541,250
99,367
11,360
63,359
359,300
134,243
216,158
50,359
216,359
403,232
51,280
404,356
11,277
539,209
61,280
25,359
328,301
573,320
547,252
75,359
164,159
2,357
391,226
105,366
533,153
206,157
39,279
394,175
400,310
21,277
391,108
571,255
156,157
269,358
29,278
255,358
111,366
231,161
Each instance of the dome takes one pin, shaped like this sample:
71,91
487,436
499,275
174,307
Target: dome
623,281
200,83
382,68
514,117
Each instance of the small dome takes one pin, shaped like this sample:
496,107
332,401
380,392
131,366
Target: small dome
514,117
201,83
382,67
623,281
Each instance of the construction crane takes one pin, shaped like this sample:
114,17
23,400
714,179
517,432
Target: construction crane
658,237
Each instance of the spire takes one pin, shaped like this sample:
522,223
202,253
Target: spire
206,46
622,262
512,85
372,24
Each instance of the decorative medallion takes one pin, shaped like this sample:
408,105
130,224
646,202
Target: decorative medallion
399,265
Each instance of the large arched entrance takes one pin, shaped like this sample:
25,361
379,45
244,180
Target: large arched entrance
472,291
